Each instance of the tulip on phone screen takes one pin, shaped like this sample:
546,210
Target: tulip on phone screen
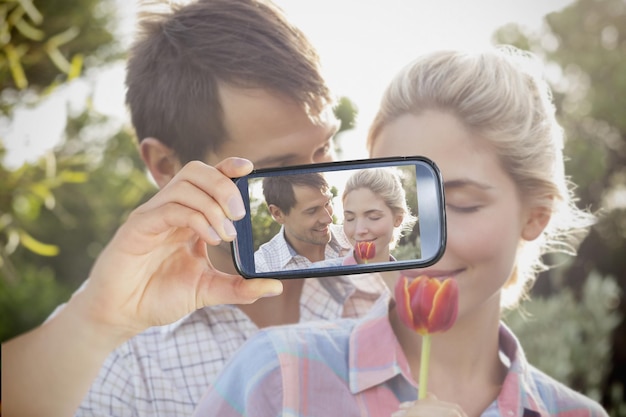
426,305
365,250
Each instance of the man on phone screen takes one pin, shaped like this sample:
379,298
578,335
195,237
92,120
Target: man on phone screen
302,205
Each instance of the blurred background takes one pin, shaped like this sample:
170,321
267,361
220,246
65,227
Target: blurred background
70,172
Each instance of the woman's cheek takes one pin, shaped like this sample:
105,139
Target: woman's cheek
486,249
477,236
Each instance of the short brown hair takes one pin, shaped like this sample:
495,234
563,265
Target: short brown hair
278,190
182,56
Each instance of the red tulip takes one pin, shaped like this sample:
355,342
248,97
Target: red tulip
427,305
365,250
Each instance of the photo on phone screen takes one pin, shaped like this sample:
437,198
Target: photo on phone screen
340,218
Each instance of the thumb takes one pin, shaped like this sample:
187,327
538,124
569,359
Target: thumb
235,167
224,288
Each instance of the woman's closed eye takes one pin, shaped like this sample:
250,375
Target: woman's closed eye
463,208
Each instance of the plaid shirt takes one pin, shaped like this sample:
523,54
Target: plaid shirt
278,255
165,370
357,368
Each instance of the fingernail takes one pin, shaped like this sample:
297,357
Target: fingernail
236,208
229,228
213,234
274,291
241,161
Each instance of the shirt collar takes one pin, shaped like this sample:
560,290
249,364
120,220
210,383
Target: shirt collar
220,309
285,252
338,246
519,393
338,241
375,357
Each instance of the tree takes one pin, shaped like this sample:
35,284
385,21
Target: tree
586,43
61,211
43,44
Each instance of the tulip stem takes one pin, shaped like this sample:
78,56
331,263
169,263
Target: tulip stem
425,358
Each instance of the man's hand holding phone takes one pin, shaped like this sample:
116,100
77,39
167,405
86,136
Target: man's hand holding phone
156,270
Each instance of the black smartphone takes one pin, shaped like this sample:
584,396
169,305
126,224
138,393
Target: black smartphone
306,221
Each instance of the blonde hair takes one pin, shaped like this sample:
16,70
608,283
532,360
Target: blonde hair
500,96
387,185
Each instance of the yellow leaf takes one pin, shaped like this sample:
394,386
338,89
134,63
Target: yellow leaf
63,37
76,67
36,246
16,67
73,176
57,58
31,11
29,31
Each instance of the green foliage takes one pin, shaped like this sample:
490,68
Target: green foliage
264,227
78,211
591,38
585,46
406,252
56,213
89,213
40,40
24,194
26,302
568,339
346,111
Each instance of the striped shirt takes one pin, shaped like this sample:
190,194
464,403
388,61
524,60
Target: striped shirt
165,370
357,368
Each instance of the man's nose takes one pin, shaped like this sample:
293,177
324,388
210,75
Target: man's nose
327,216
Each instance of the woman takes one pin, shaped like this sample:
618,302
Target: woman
489,123
375,214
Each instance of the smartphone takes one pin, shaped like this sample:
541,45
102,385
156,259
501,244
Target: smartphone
282,238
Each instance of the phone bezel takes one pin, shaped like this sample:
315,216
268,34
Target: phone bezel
431,205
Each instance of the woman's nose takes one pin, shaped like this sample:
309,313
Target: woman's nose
361,228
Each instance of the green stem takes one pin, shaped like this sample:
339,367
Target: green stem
425,358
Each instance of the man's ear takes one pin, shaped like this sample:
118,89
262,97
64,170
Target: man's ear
160,160
277,213
536,222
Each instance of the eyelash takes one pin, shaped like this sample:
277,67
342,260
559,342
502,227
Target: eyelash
371,218
463,210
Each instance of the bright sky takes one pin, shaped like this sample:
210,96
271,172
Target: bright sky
362,43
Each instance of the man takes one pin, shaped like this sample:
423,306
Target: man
225,82
302,204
